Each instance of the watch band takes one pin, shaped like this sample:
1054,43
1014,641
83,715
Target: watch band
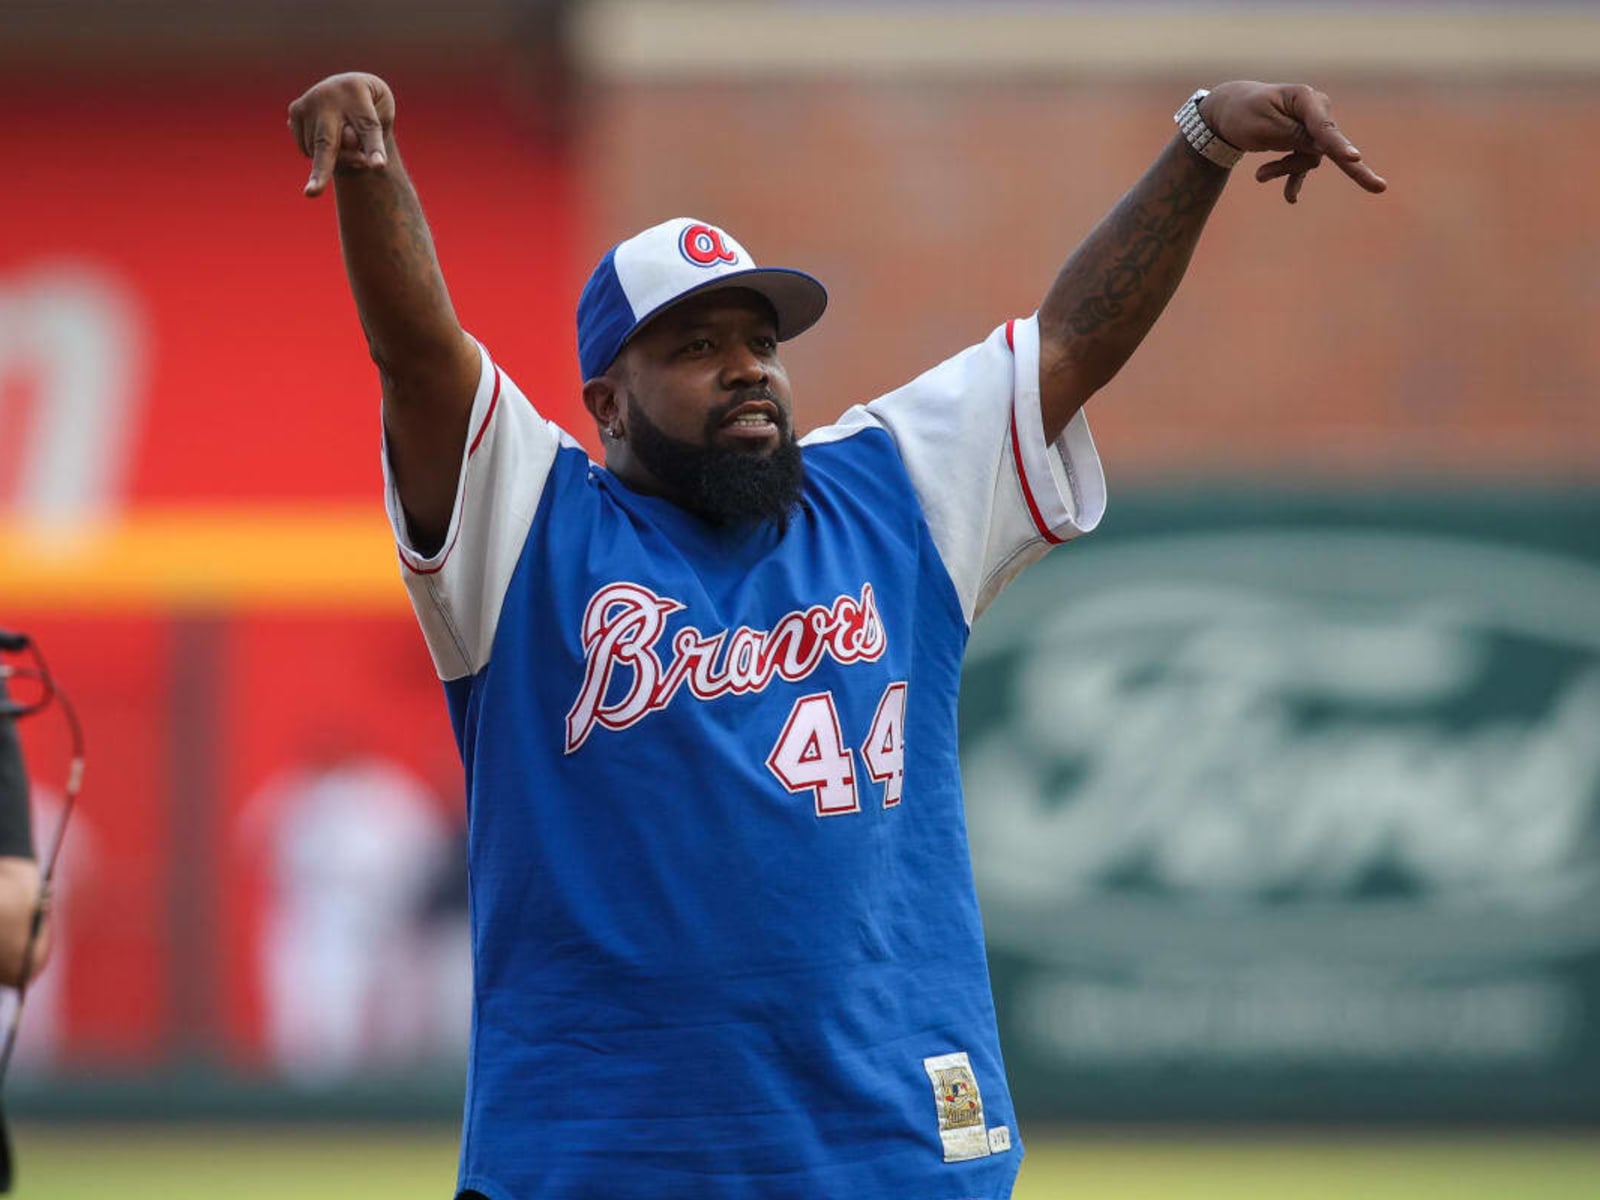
1202,139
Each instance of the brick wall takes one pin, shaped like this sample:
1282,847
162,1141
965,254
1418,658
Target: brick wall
1442,331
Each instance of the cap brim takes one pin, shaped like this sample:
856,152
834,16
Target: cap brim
798,299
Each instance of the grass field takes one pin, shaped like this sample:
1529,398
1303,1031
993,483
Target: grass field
204,1163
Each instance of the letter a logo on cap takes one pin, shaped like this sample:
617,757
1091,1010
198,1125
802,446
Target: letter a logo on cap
703,246
638,278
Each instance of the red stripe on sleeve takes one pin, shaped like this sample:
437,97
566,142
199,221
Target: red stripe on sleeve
1027,492
1016,455
487,417
483,428
445,557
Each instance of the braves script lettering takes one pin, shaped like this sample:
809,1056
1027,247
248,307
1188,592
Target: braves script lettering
625,621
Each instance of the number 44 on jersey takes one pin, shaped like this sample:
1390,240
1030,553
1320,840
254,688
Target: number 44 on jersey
810,753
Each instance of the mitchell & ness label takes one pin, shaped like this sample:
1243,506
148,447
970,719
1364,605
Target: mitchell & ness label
959,1105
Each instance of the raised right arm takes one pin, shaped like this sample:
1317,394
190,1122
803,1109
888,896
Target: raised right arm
428,365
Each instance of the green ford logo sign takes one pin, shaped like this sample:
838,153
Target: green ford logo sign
1309,797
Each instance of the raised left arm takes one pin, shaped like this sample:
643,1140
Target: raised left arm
1109,293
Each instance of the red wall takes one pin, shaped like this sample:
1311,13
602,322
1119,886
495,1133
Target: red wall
252,394
258,387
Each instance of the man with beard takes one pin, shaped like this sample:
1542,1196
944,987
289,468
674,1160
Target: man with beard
725,941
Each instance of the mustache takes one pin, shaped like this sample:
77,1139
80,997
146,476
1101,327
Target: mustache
718,415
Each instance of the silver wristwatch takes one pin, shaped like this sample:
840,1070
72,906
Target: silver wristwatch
1202,139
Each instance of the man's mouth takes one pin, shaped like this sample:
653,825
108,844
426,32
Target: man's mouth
753,419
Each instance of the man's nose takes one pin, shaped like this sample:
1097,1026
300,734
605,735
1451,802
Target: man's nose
743,367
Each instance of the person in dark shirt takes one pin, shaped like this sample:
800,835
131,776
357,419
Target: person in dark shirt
19,871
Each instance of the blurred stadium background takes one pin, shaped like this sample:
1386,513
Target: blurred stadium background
1284,788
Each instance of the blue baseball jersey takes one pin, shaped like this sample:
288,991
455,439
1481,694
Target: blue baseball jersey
725,936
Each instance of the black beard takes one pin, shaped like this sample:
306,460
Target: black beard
721,486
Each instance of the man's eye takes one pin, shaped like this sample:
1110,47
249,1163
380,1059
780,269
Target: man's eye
766,345
697,346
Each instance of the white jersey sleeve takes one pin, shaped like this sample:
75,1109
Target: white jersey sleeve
457,591
996,496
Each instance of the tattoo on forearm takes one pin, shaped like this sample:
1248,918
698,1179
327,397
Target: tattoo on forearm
389,256
1111,289
1141,236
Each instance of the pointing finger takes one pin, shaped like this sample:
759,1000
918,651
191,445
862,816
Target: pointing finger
324,151
297,127
1350,163
1315,113
1347,158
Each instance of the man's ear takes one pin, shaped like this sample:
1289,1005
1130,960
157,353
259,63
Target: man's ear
601,398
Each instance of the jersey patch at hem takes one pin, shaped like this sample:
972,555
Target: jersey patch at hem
963,1132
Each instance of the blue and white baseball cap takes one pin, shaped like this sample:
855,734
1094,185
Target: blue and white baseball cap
651,271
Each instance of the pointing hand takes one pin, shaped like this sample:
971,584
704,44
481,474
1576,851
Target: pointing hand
1288,117
343,121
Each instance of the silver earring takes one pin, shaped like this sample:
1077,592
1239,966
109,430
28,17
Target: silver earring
615,432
